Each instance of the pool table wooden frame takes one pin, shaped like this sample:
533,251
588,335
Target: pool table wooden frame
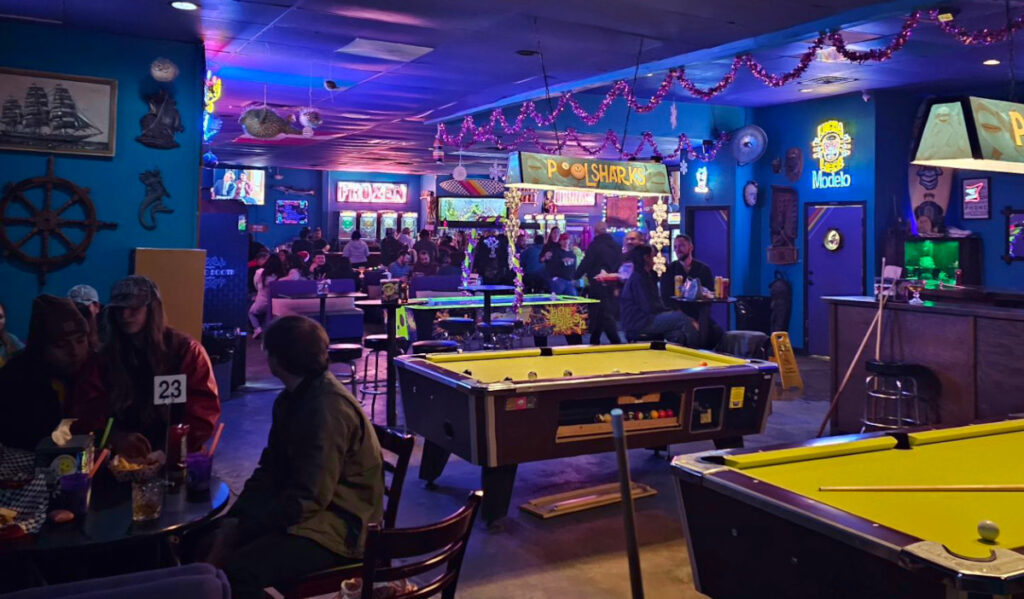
500,425
750,538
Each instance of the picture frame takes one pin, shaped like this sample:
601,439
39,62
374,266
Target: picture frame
975,195
1014,233
57,114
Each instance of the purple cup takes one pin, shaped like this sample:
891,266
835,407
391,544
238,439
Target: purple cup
199,467
75,490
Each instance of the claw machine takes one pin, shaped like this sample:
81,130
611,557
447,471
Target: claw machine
410,220
388,220
368,225
347,223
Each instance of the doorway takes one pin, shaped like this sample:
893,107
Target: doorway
708,227
835,246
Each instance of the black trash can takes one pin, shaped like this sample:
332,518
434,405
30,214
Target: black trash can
754,313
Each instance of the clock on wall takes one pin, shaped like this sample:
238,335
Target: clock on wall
833,240
750,193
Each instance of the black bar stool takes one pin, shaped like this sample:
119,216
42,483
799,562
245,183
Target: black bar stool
376,385
347,354
457,329
893,400
497,334
434,346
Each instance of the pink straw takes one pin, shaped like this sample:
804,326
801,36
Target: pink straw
216,439
99,462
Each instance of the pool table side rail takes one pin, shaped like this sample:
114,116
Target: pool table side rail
419,363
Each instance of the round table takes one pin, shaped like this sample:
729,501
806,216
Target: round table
390,308
704,312
488,291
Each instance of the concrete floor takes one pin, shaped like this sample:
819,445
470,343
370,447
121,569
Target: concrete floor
577,555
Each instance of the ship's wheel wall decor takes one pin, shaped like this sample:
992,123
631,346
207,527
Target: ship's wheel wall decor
47,222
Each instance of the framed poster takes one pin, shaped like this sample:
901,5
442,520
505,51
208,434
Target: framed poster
975,195
48,112
1014,235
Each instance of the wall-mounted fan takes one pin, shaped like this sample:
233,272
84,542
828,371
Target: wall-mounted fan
749,144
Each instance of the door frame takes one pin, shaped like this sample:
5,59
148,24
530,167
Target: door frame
807,257
687,228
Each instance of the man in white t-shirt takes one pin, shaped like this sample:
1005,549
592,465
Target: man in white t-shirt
356,250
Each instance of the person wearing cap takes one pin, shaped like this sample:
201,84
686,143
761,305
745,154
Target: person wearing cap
36,384
88,303
561,267
120,383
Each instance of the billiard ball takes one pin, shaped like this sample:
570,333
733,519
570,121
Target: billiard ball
532,375
703,363
671,413
630,415
639,415
988,531
467,372
654,415
566,372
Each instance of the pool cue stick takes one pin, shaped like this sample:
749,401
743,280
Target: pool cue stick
846,379
927,488
636,581
881,306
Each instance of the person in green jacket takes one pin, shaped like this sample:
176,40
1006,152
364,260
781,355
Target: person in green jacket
319,482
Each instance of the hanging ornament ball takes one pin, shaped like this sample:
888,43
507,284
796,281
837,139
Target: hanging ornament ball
163,70
307,132
459,173
310,118
210,159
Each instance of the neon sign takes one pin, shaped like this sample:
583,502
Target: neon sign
350,192
830,148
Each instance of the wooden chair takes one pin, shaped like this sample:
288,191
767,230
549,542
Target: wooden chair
436,546
399,445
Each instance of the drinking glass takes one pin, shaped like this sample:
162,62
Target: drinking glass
147,500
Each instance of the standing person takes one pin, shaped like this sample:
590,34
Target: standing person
534,275
255,264
424,265
406,238
390,247
356,250
272,271
603,255
319,243
320,479
120,383
632,240
561,268
400,268
688,267
303,244
9,343
38,381
641,310
426,244
551,244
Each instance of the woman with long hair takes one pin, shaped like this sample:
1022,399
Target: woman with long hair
9,344
120,384
641,310
272,270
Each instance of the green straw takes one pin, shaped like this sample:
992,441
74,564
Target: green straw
106,432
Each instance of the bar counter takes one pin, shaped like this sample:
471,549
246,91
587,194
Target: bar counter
975,349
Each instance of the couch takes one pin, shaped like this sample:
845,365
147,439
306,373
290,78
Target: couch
343,319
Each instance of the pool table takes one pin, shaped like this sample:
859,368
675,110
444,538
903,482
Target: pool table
543,314
775,516
498,409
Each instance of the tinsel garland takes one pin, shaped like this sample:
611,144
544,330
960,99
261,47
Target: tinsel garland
513,199
467,261
470,133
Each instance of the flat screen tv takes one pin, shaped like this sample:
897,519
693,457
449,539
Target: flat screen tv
292,212
470,209
247,185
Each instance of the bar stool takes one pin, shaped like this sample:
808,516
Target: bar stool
892,398
346,353
640,337
434,346
497,334
457,329
375,385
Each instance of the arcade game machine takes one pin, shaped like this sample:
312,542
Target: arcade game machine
542,223
388,220
347,223
411,221
368,226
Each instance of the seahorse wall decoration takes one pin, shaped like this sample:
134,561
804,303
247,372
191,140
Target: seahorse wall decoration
154,200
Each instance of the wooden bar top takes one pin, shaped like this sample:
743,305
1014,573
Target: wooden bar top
981,309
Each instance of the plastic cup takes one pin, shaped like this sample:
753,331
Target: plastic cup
200,467
147,500
75,490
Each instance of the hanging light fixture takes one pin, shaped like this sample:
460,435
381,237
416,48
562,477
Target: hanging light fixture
973,134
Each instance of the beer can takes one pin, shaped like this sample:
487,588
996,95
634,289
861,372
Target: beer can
678,286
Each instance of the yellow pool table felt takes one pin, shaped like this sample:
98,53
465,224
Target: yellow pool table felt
581,361
978,454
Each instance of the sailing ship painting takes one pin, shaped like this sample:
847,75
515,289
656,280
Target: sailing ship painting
48,112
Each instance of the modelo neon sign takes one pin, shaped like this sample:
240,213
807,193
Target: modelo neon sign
830,148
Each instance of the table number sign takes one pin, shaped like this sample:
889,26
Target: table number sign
169,389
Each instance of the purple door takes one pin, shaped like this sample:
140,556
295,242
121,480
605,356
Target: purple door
710,231
835,265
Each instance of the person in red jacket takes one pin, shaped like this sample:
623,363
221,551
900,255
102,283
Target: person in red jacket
119,383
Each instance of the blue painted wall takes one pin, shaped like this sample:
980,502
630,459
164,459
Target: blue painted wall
332,207
264,215
114,182
792,125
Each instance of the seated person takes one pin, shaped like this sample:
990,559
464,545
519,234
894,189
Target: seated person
297,269
37,381
120,382
424,266
390,247
561,267
641,311
9,342
303,244
400,268
447,268
319,243
320,268
534,276
688,267
319,482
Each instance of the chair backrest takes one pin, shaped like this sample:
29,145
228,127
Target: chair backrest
436,546
400,445
433,283
298,287
342,285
